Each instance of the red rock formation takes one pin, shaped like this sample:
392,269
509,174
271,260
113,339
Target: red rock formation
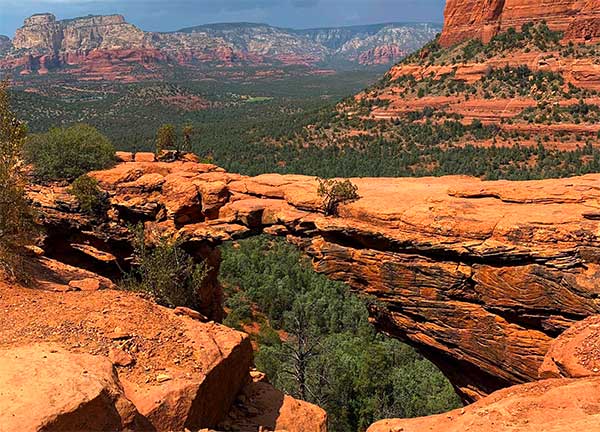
260,404
385,54
479,19
550,406
478,275
120,362
575,353
45,387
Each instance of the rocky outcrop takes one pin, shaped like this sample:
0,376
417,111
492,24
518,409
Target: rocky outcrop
575,353
261,405
43,34
586,26
552,405
35,396
382,55
480,276
77,359
106,47
476,19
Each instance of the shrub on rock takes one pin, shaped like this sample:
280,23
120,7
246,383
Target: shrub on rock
166,272
336,192
92,200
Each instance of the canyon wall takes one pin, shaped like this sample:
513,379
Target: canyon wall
475,19
479,276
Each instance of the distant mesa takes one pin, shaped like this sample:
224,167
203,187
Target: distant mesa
108,47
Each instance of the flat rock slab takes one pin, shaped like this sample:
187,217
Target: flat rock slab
44,387
556,405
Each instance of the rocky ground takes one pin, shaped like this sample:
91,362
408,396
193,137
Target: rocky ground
480,276
78,357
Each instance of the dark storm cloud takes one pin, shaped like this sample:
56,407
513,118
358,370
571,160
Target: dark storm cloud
166,15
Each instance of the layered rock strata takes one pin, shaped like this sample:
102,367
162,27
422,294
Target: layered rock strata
567,399
480,276
476,19
107,47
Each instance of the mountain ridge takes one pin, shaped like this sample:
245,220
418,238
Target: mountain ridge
44,43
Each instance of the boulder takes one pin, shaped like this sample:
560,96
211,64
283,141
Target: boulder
556,405
46,388
575,353
262,407
145,157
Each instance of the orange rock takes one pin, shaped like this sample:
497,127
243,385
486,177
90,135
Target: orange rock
190,313
89,284
262,407
481,276
124,156
471,19
44,387
208,364
575,353
145,157
118,357
560,405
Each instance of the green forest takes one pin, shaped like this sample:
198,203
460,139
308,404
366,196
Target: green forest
291,125
316,343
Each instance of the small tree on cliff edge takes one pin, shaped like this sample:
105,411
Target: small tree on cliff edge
165,138
336,192
16,220
188,132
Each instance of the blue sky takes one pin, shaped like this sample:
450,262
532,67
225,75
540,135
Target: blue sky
165,15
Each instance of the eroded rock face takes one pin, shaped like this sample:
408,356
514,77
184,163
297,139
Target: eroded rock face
260,405
548,405
575,353
480,276
44,34
477,19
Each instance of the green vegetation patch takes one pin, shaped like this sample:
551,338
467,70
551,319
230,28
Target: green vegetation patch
315,341
67,153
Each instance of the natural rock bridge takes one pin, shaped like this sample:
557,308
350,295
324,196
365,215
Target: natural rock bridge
479,276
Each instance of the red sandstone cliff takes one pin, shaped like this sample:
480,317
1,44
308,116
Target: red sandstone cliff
471,19
480,276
